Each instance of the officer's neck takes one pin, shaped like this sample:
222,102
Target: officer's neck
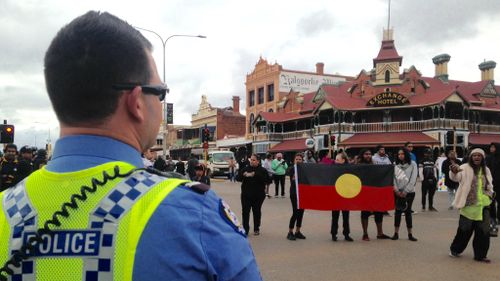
122,135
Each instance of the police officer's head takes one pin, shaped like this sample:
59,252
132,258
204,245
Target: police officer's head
99,73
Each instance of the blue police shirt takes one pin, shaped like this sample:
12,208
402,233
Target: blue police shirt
186,238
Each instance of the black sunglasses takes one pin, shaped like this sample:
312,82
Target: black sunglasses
158,90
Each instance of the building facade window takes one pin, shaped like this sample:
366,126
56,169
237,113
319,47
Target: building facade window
251,98
270,92
260,95
387,76
250,126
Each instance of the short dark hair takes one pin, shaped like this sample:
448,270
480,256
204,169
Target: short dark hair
379,147
408,143
10,145
85,59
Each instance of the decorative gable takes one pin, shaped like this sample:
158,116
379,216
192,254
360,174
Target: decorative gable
319,96
489,91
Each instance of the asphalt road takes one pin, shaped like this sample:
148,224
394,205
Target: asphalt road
319,258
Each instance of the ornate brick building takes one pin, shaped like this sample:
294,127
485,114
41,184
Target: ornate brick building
385,105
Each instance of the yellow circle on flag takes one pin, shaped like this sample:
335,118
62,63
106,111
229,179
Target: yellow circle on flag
348,186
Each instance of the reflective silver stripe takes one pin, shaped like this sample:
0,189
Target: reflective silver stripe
22,217
106,218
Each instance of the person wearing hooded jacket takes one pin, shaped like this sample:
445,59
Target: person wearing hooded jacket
473,198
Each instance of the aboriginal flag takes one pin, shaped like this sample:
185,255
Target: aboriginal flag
345,187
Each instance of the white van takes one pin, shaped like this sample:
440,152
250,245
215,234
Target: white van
218,162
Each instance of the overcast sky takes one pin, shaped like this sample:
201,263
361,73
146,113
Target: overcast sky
345,35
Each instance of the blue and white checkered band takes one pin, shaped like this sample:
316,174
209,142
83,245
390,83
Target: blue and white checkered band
22,217
106,217
95,245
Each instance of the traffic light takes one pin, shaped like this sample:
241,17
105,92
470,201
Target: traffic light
6,133
325,140
206,135
170,113
450,136
332,140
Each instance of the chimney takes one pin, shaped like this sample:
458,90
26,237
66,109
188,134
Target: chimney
236,104
320,67
487,70
441,62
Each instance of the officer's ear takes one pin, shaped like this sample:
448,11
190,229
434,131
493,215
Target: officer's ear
135,104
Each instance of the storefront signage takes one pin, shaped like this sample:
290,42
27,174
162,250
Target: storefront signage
388,99
304,83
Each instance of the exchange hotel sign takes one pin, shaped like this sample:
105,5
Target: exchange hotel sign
304,83
388,99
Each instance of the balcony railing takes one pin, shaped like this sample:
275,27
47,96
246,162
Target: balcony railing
407,126
261,136
476,128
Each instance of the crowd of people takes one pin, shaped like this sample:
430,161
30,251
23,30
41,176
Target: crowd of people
16,165
471,183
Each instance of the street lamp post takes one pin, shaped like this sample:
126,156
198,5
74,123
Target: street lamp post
164,43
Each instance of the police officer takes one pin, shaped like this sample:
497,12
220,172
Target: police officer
127,225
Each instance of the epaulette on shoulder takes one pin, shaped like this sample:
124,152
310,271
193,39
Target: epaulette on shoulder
198,187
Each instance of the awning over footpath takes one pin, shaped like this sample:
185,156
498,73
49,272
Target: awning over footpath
290,145
483,139
388,139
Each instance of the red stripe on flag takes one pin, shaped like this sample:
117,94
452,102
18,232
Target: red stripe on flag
325,198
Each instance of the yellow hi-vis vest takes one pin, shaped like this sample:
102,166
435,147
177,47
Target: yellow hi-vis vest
95,242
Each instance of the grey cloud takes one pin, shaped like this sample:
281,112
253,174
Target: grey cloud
315,23
14,98
26,33
435,22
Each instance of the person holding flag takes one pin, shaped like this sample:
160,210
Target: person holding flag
365,157
297,214
341,159
405,177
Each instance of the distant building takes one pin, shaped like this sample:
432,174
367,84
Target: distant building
223,123
385,105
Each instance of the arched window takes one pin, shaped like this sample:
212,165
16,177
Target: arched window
271,110
251,122
387,76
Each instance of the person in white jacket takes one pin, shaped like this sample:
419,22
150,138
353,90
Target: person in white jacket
405,178
473,197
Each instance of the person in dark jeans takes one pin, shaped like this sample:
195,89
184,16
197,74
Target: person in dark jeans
297,214
279,167
253,180
428,171
193,162
341,159
364,158
405,178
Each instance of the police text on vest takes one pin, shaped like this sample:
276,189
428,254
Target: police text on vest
67,243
